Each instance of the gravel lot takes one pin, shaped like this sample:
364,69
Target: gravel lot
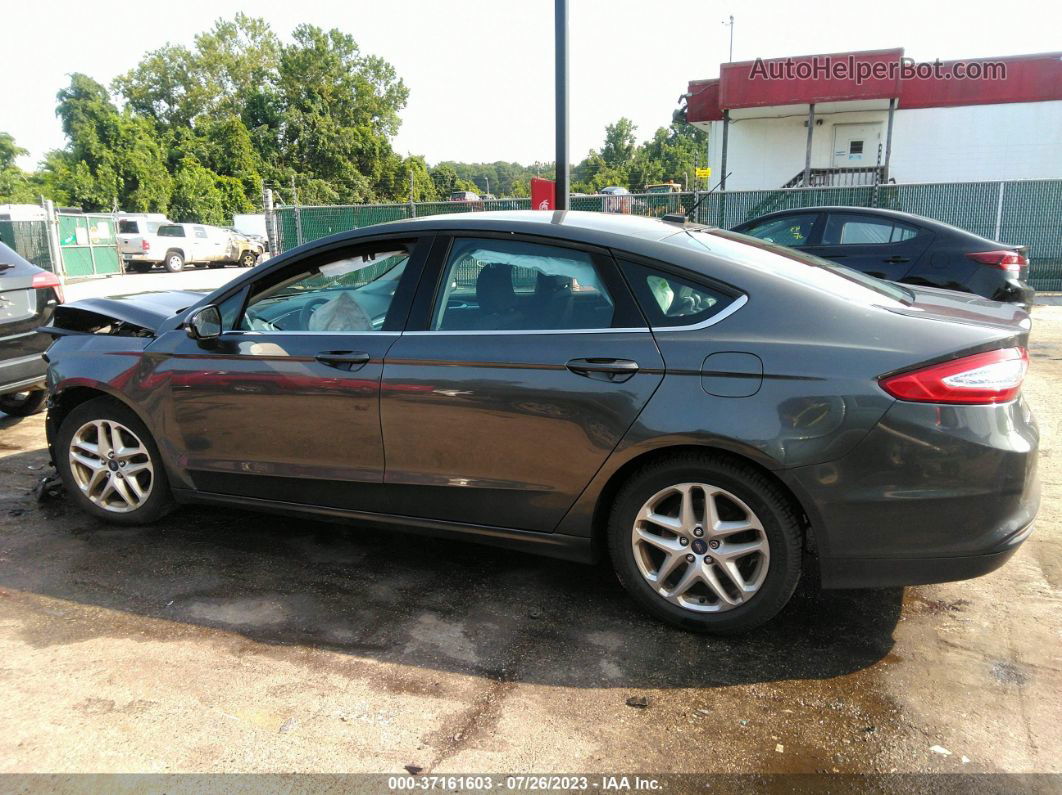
229,641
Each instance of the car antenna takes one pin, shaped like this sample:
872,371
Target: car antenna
681,218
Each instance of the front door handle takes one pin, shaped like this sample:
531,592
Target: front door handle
343,360
896,260
601,369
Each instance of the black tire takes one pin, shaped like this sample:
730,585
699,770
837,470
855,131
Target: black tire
23,404
776,515
139,267
174,261
159,501
248,259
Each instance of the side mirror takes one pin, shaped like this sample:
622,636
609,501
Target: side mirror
204,324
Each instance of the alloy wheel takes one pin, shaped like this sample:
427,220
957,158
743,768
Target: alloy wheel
111,466
700,547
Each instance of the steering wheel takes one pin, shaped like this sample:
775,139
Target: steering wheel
307,311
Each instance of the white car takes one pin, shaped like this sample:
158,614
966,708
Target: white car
174,245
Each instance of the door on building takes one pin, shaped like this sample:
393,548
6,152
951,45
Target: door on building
856,145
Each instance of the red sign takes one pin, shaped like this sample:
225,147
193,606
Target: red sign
543,194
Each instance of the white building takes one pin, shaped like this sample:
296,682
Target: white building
875,115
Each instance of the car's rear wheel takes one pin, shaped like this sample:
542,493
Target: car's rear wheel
705,543
23,404
174,262
111,465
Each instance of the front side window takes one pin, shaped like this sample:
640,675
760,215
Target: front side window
348,294
510,285
855,230
670,300
792,230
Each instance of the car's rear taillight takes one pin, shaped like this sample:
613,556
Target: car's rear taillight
145,244
44,279
992,377
1005,260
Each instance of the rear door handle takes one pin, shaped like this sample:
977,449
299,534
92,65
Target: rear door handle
896,260
602,369
343,360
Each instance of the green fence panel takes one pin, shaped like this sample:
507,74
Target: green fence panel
1025,212
30,239
88,245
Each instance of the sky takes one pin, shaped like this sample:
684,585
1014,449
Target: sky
480,72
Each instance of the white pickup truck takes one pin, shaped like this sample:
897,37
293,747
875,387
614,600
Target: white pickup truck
144,242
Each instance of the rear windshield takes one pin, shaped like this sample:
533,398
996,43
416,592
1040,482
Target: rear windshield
795,265
128,227
171,230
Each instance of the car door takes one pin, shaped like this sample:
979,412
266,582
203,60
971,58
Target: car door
285,405
524,363
201,247
874,244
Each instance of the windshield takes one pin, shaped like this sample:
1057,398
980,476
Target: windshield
795,265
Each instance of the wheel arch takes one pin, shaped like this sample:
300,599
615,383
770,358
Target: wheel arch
606,497
68,398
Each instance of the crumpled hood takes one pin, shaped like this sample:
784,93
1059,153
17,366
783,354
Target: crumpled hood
146,310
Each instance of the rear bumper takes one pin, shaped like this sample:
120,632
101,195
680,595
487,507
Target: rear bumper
21,373
934,493
891,572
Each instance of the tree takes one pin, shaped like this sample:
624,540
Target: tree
114,158
196,197
620,143
16,186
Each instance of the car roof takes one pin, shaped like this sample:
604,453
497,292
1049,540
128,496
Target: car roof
549,224
896,215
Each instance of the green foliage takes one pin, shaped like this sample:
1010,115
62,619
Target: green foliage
16,186
200,129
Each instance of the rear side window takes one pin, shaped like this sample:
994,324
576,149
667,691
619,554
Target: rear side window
513,285
792,230
855,230
171,230
669,300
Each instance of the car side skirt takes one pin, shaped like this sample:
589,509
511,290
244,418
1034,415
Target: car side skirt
554,545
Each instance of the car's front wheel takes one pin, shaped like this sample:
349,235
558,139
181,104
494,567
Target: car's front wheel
248,259
705,543
23,404
110,464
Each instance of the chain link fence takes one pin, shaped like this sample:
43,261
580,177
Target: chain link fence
1019,212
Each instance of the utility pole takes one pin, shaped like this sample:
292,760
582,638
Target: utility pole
561,65
731,24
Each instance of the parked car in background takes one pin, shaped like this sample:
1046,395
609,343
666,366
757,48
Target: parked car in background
28,297
706,408
902,247
174,245
488,197
664,187
136,238
245,249
464,196
617,199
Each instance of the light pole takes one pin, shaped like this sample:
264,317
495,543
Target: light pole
730,59
561,59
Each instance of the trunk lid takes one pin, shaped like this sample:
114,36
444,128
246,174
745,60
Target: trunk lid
950,306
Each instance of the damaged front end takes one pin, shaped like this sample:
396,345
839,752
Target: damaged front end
122,316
